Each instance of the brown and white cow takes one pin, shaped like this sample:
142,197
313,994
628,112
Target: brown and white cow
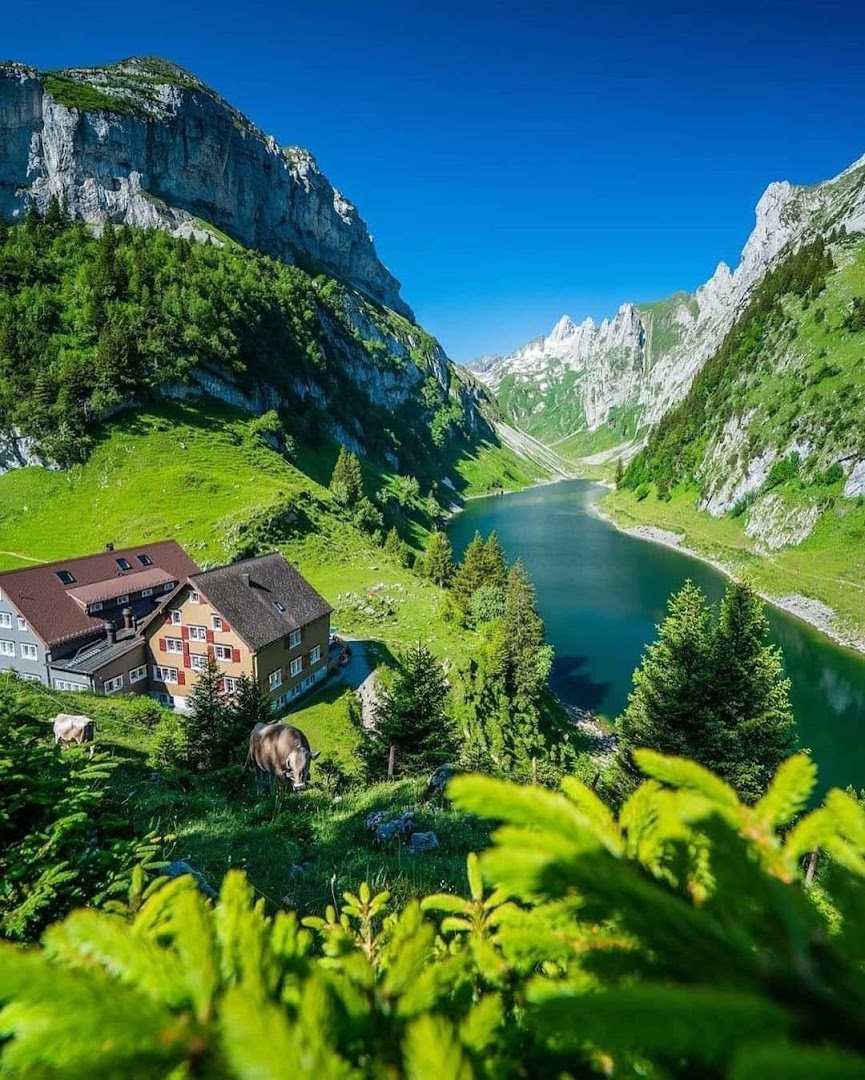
283,752
72,730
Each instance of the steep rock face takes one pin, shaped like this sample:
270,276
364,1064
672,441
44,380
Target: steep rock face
146,143
645,359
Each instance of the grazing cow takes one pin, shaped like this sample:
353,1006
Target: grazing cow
73,730
282,752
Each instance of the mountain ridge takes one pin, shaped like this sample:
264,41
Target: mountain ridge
643,360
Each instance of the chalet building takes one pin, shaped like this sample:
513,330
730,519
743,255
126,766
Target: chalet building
73,624
258,617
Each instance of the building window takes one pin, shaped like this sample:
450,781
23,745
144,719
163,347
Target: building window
29,652
145,560
95,606
296,666
315,654
229,685
138,673
197,633
124,564
294,639
30,677
146,592
168,586
173,644
65,577
222,652
216,622
22,623
72,687
198,662
6,620
123,599
280,607
176,617
165,674
274,679
7,648
111,686
195,597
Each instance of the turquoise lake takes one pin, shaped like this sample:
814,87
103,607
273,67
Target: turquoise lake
601,594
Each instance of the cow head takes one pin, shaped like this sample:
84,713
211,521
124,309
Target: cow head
297,767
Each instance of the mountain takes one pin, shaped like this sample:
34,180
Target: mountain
587,386
145,142
171,251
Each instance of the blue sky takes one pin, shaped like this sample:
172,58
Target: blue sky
517,160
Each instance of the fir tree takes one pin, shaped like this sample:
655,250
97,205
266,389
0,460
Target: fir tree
346,482
56,219
668,709
438,563
483,564
209,722
620,471
529,657
751,698
410,716
251,705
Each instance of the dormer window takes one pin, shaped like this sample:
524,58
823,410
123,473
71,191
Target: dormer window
279,607
123,599
124,564
66,577
95,606
145,560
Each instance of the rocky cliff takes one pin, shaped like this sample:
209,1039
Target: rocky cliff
146,143
629,370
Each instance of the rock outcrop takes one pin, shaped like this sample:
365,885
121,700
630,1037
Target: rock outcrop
146,143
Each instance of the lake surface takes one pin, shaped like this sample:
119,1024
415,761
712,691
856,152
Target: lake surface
601,594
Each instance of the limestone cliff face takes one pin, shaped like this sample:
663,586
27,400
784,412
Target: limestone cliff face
148,144
644,359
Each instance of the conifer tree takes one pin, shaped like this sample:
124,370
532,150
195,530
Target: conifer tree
620,471
751,698
483,564
251,705
668,709
410,716
529,657
209,721
55,216
346,482
438,564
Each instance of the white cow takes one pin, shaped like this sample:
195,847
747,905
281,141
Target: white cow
73,730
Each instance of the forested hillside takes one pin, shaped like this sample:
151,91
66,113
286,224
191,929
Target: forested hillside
89,326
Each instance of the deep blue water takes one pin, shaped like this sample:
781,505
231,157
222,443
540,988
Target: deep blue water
602,593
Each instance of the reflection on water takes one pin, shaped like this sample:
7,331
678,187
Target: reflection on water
602,593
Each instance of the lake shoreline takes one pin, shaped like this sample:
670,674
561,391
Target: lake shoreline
815,613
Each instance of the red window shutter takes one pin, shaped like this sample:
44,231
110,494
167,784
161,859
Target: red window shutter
211,652
186,661
167,619
161,644
186,648
226,629
181,678
209,636
235,656
222,686
184,633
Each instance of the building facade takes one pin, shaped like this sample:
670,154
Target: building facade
258,618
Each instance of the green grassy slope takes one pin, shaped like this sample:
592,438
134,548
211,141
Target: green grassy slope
197,474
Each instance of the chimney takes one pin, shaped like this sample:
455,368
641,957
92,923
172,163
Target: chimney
128,619
111,635
109,547
246,579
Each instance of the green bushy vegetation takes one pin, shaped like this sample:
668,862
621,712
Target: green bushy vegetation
89,325
585,944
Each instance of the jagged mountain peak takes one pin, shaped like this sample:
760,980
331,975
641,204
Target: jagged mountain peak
643,360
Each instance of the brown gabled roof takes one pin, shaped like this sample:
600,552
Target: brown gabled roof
127,582
51,609
251,593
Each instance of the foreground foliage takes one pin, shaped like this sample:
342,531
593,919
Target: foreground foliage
610,946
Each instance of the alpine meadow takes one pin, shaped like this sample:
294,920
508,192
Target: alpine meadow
369,714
